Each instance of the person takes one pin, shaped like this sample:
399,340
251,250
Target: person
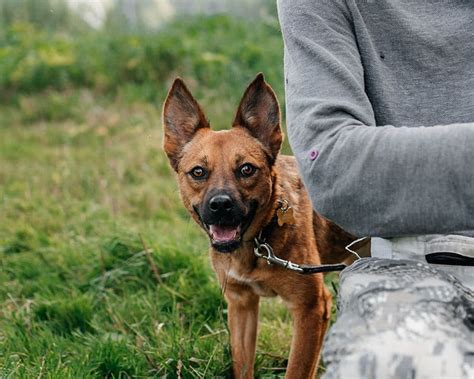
380,117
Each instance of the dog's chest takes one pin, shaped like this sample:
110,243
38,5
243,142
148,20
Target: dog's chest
258,287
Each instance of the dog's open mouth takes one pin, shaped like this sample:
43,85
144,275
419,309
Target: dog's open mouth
224,233
224,238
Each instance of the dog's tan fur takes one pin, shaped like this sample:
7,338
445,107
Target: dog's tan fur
255,138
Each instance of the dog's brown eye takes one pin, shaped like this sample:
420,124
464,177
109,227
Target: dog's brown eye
247,170
198,172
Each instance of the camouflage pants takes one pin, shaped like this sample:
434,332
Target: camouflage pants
400,319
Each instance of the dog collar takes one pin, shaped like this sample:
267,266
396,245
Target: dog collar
263,250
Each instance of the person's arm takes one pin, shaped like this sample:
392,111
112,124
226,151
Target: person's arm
379,181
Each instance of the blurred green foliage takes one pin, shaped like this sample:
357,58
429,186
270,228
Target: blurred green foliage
54,15
218,52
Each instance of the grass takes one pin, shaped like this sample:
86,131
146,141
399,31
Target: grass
102,272
86,203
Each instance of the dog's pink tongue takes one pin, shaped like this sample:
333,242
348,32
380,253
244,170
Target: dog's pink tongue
221,233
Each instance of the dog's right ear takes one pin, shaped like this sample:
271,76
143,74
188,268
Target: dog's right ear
182,118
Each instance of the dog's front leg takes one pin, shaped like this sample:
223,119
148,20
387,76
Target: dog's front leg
309,326
243,319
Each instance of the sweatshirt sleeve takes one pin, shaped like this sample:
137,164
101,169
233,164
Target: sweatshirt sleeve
379,181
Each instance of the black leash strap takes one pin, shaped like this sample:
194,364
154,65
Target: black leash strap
314,269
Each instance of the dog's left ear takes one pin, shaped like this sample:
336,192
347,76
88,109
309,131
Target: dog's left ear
182,118
259,113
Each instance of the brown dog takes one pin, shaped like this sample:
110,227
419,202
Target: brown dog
233,183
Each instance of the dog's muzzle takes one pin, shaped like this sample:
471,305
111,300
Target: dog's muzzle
225,220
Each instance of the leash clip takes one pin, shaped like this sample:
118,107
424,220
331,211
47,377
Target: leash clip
271,258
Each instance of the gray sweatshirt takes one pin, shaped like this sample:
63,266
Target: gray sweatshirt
380,111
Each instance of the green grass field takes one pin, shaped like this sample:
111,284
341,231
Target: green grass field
102,272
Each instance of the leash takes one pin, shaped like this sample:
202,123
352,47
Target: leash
263,250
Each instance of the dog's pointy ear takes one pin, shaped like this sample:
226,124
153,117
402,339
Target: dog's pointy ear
182,118
259,113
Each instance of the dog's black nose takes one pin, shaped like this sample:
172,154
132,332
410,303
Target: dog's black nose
221,203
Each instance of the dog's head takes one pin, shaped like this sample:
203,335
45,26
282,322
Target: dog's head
225,177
